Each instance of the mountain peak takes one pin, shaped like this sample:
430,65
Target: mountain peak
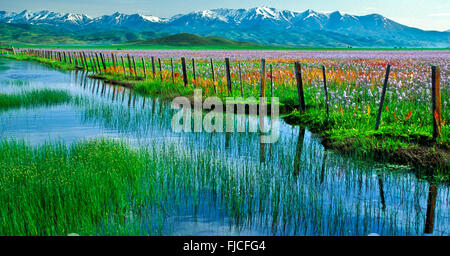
261,24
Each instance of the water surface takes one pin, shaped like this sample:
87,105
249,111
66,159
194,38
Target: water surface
336,195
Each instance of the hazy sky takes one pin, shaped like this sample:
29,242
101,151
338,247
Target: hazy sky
425,14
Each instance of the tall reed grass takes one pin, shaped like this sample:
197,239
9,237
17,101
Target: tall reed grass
34,98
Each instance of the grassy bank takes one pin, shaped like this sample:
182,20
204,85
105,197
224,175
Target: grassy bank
56,190
404,136
33,98
103,187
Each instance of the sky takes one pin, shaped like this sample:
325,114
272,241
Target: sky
424,14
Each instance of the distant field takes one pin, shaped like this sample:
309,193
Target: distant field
214,47
32,36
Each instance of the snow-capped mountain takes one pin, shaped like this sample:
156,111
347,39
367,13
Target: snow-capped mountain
262,25
64,20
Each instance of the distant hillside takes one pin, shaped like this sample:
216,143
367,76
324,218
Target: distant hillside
24,33
185,39
39,35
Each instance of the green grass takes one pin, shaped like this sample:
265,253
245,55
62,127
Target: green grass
103,187
56,190
404,144
33,98
52,63
350,131
189,40
24,33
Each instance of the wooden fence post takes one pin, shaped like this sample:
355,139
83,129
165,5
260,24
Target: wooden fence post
383,94
143,66
271,82
212,75
263,78
301,96
92,63
134,66
98,63
240,79
160,69
193,72
262,107
82,60
85,61
171,65
153,67
113,62
326,90
183,67
123,67
227,65
103,62
436,100
129,64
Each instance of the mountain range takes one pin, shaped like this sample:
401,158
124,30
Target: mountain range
262,25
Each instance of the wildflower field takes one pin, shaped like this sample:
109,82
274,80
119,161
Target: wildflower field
87,145
354,82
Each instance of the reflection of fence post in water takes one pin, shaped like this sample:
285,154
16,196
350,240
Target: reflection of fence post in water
98,88
299,149
85,80
129,98
103,89
114,94
262,152
93,87
324,160
380,186
153,106
431,205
